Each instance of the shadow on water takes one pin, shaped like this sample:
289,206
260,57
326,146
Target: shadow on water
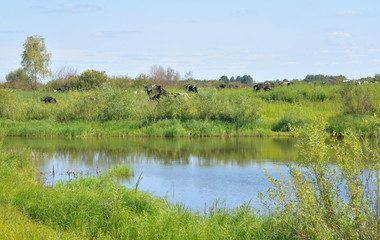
191,170
167,151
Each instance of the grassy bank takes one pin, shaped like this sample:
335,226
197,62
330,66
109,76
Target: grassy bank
315,202
211,112
100,208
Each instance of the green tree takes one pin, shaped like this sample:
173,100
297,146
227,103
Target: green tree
18,75
36,59
90,79
247,79
224,79
377,77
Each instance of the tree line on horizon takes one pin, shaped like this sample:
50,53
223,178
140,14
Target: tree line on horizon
36,62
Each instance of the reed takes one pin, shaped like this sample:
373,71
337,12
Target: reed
123,171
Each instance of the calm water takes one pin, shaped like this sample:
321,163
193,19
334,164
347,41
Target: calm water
194,171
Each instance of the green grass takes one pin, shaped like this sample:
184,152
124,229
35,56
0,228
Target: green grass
309,204
121,171
100,208
211,112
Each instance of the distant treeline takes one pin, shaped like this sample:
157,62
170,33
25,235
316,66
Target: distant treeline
92,79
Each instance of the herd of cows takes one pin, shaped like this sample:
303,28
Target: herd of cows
156,91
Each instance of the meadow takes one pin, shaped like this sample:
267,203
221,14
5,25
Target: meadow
112,110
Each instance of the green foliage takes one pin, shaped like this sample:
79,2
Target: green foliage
224,79
287,121
8,104
89,79
121,171
319,201
240,111
18,75
323,78
362,124
358,99
36,58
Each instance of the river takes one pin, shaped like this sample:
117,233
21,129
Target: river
194,171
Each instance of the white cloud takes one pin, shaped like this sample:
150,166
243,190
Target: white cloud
340,34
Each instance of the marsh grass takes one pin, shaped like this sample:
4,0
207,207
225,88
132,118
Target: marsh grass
211,112
123,171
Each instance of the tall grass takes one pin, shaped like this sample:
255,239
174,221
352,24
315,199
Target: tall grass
230,111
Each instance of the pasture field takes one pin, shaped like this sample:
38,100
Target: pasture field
211,112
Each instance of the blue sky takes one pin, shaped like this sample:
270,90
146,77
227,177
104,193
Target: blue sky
265,39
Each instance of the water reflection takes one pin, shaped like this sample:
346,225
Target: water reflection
191,170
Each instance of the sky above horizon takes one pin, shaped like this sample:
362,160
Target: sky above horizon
267,40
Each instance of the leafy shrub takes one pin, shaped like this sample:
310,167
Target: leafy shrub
358,99
8,104
321,201
91,79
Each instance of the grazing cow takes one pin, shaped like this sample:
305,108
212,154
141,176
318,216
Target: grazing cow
160,90
264,86
62,89
191,88
48,100
149,86
149,91
223,85
155,97
157,90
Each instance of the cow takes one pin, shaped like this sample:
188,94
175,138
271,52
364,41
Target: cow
48,100
62,89
155,97
264,86
223,85
191,88
149,86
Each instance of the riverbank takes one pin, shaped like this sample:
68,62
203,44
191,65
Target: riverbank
316,201
98,207
126,128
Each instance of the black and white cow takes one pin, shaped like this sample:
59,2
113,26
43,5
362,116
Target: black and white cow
48,100
191,88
